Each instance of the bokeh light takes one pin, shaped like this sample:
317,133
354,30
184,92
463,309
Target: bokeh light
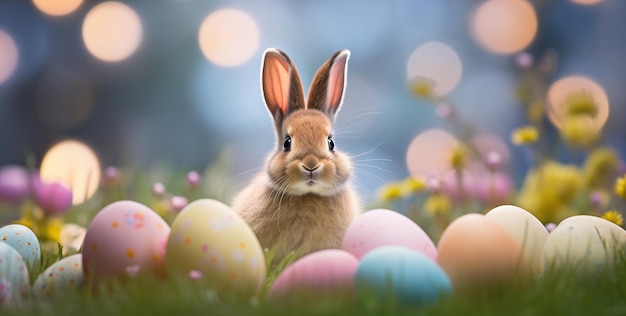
9,57
112,31
228,37
504,26
57,7
436,62
565,87
63,100
74,165
429,154
586,2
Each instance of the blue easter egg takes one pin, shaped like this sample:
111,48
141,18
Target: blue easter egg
14,280
24,240
401,274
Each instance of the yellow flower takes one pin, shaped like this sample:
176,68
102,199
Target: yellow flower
412,185
548,190
580,104
579,132
52,230
458,158
620,187
390,192
600,167
614,217
422,88
437,204
525,135
535,111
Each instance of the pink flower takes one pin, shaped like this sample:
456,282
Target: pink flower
524,60
493,188
158,190
178,203
193,179
53,198
14,183
112,176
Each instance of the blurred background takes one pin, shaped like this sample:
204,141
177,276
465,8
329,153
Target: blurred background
176,82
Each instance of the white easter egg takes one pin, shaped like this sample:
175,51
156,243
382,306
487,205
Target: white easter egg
525,228
14,280
577,246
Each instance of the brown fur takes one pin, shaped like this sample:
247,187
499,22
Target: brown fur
303,201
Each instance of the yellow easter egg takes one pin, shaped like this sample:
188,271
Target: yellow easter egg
210,242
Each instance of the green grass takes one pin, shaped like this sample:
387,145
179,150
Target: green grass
559,293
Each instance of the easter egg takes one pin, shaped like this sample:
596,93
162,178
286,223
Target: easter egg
578,246
211,240
397,272
525,228
62,276
475,251
24,240
14,280
328,272
381,227
123,239
607,230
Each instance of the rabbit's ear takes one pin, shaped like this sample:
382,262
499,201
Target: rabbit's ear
281,84
327,89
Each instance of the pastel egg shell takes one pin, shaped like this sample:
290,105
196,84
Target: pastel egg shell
14,280
476,251
381,227
123,239
24,240
209,238
525,228
328,272
60,277
578,246
397,272
607,230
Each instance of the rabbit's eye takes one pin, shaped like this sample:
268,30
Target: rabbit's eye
331,144
287,144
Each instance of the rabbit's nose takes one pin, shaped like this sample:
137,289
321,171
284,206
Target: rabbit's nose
310,164
308,168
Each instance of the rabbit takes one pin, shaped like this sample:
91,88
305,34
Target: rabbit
303,201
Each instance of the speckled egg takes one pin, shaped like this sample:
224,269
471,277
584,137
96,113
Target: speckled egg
14,280
608,230
525,228
324,272
210,240
477,252
24,240
381,227
402,274
62,276
579,246
123,239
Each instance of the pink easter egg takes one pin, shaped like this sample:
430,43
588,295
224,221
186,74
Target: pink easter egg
329,271
380,227
123,239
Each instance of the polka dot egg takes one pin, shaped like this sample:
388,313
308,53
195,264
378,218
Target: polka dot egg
212,243
24,240
14,280
63,275
125,238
